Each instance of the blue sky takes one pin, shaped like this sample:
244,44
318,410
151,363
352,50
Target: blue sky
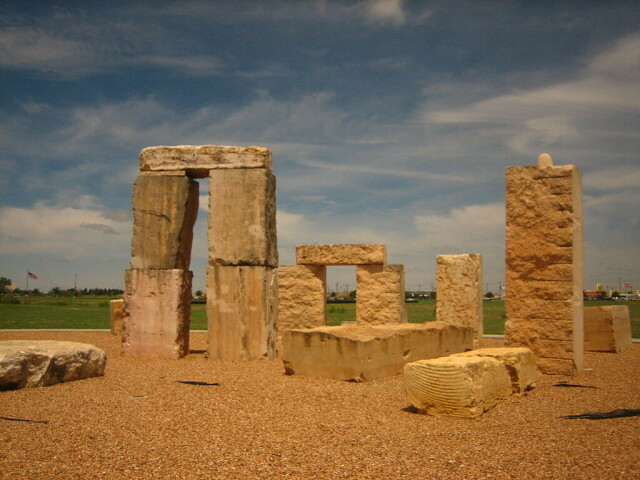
390,122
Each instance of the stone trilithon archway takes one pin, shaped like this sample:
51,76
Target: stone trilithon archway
241,281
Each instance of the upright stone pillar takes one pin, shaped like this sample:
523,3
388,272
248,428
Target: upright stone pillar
380,295
158,286
459,287
301,297
544,264
241,281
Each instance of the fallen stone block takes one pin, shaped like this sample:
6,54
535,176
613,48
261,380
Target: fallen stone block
457,386
40,363
607,329
198,160
368,352
520,363
342,254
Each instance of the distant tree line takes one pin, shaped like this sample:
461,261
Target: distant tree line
6,288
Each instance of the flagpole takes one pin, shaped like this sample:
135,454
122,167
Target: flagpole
27,281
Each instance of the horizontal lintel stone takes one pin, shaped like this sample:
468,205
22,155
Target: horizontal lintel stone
342,254
198,160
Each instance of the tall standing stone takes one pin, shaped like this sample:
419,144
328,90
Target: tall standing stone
301,297
459,286
242,312
380,295
165,208
242,217
157,305
544,264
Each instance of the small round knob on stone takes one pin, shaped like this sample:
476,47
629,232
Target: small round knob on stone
545,160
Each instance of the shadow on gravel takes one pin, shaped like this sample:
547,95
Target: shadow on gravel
621,412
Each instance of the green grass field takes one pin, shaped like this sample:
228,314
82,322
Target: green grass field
93,313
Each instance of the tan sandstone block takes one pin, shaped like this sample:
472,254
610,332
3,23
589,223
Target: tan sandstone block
40,363
459,286
520,363
198,160
242,218
165,208
301,297
367,352
342,254
157,306
116,312
380,295
607,329
242,312
457,386
544,264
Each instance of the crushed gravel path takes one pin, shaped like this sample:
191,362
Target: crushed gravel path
139,421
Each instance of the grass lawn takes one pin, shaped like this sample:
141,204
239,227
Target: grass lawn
93,312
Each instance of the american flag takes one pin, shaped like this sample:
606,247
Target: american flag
32,275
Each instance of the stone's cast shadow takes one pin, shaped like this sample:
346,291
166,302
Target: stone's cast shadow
619,413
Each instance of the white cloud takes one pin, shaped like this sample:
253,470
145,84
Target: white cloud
385,11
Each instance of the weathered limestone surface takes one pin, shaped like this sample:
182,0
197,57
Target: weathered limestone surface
157,306
341,254
198,160
520,363
457,386
39,363
165,208
367,352
380,295
301,297
544,265
242,218
242,312
607,329
459,285
116,312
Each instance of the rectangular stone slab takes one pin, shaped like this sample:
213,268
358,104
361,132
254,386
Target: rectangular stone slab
544,265
242,218
198,160
341,254
380,295
457,386
116,313
40,363
520,363
165,208
241,312
459,285
301,297
157,306
607,328
367,352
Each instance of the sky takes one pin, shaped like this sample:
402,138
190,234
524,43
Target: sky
390,122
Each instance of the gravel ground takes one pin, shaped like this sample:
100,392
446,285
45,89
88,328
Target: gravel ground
138,422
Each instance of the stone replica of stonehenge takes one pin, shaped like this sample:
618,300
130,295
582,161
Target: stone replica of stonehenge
257,309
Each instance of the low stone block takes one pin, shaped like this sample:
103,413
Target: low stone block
39,363
341,254
301,297
242,312
368,352
198,160
157,306
520,363
116,312
459,283
380,295
607,329
457,386
242,218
